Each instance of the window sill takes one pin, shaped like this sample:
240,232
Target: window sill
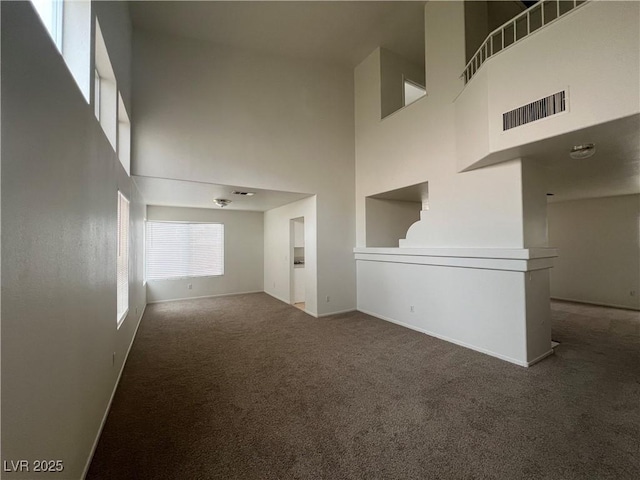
182,278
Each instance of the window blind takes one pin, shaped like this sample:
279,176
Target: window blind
123,257
176,250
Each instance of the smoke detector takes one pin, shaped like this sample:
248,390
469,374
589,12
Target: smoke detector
580,152
221,202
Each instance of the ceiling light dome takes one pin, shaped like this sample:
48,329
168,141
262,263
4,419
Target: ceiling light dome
579,152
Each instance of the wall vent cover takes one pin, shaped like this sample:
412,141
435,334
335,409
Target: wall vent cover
545,107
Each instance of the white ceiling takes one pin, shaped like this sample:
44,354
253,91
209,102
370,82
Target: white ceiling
344,33
180,193
613,170
339,32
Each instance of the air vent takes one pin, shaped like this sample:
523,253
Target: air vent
545,107
245,194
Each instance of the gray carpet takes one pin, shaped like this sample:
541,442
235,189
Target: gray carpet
246,387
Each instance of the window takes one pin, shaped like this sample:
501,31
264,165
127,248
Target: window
178,250
69,24
105,96
76,43
124,136
50,12
412,92
123,258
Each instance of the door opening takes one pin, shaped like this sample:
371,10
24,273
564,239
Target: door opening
297,277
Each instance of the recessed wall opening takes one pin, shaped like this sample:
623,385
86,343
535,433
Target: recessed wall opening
402,81
390,214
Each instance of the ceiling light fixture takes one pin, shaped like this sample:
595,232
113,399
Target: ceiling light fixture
580,152
245,194
221,202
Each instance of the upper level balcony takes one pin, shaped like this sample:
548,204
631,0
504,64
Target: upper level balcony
550,76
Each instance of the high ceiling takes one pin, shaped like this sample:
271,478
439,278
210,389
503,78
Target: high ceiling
339,32
335,32
344,33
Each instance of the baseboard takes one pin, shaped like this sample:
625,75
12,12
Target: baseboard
349,310
599,304
283,300
205,296
278,298
450,340
113,394
541,357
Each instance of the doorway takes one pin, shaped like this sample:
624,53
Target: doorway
297,277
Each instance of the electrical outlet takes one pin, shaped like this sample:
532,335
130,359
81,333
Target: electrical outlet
632,293
136,310
328,299
412,309
190,286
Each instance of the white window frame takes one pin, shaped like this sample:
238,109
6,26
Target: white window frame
122,259
415,85
124,136
96,93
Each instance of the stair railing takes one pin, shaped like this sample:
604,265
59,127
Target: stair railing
530,20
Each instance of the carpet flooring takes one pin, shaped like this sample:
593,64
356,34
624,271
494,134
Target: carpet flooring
246,387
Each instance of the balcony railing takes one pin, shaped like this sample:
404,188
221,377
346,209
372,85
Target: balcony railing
532,19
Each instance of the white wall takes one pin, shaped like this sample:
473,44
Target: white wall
278,264
243,254
59,208
482,208
495,309
498,207
417,144
213,114
534,204
599,246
